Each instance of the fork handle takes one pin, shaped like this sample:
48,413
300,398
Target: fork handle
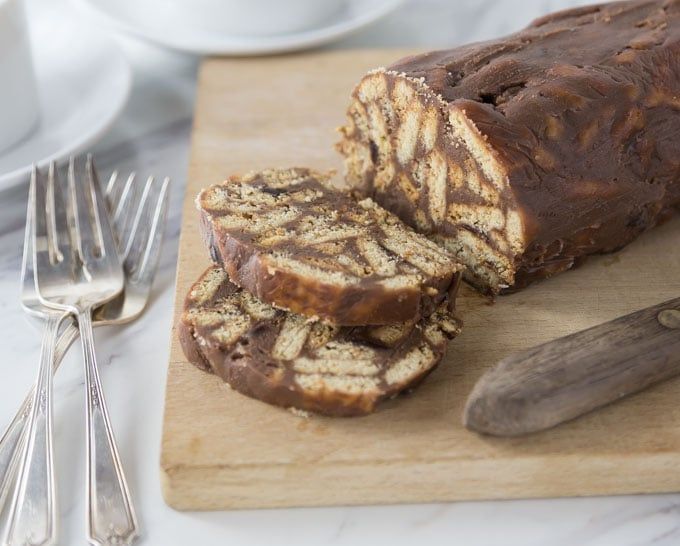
13,438
33,515
111,516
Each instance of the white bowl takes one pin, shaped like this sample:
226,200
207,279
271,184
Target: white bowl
19,106
244,17
132,17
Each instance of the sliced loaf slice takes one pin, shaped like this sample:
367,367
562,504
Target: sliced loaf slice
287,360
295,242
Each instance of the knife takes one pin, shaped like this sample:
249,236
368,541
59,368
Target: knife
560,380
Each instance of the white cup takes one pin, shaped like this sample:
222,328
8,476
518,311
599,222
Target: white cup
19,105
255,18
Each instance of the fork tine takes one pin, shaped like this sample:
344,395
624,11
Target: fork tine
124,211
93,230
42,252
77,210
57,210
120,204
144,243
39,191
27,258
101,214
114,193
111,188
155,238
136,225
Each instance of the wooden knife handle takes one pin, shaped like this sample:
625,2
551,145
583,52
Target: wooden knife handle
565,378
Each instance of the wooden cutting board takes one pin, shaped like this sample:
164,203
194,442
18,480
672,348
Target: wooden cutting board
221,450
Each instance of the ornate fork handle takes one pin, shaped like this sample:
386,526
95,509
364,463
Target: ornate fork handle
15,435
33,515
112,520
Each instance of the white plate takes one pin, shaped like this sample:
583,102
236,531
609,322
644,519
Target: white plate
83,82
131,16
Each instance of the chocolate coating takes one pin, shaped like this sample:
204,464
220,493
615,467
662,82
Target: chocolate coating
581,113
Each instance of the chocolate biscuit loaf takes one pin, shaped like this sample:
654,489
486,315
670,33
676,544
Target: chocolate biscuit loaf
293,241
285,359
524,155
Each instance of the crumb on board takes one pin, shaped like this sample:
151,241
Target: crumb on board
300,413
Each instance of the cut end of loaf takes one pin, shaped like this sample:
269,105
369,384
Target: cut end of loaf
424,160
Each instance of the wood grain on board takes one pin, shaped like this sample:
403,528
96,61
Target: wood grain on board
221,450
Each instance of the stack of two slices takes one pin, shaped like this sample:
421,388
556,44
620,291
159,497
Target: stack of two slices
317,301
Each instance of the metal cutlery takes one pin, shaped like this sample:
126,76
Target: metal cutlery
140,262
35,522
139,221
77,268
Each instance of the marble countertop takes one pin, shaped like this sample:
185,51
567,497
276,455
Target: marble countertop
152,136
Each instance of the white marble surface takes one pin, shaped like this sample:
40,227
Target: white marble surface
152,137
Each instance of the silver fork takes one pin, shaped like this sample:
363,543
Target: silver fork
140,249
35,522
77,268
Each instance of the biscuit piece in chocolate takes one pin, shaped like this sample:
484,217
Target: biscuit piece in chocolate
295,242
285,359
525,154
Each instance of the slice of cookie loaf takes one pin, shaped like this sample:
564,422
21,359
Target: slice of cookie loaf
295,242
288,360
